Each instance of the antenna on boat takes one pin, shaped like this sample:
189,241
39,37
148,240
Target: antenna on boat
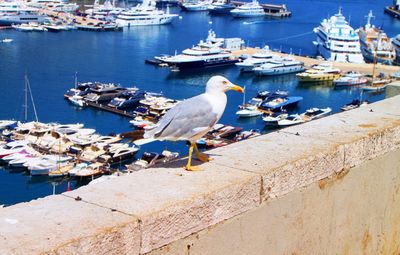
369,18
244,95
76,79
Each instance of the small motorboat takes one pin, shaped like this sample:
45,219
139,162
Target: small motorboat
12,147
315,113
249,111
354,104
292,119
247,134
77,100
6,123
85,170
280,102
119,155
350,79
7,40
273,118
376,85
152,158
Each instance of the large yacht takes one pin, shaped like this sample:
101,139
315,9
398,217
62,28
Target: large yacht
247,10
54,5
196,6
337,40
18,13
375,44
220,7
257,59
396,45
210,53
143,15
277,67
104,10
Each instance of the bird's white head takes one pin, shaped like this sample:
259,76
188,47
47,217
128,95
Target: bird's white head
221,84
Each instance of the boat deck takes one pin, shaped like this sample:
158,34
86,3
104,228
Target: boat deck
110,109
275,10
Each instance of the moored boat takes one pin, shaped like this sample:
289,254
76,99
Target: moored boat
321,72
337,40
350,79
248,10
375,44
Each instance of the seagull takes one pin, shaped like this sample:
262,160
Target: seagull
192,118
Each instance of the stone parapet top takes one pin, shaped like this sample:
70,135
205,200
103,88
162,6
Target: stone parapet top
142,211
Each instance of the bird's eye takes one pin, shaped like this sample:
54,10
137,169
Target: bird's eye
224,82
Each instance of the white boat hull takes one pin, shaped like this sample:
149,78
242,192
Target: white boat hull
279,71
161,20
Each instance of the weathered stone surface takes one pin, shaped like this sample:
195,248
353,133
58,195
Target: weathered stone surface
61,225
354,214
172,203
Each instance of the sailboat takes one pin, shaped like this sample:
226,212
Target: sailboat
77,99
376,84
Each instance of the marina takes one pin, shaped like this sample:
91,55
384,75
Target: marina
120,56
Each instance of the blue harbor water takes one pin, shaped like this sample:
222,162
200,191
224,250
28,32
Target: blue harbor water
51,59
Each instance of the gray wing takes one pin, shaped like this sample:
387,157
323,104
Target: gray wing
185,120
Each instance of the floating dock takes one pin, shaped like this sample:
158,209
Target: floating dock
274,10
393,11
109,109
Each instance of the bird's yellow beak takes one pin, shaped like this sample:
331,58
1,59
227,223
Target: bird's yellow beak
236,88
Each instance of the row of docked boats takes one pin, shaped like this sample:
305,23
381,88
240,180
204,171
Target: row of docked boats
274,106
144,107
338,41
58,150
246,10
265,62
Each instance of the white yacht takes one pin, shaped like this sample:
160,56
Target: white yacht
257,59
212,52
143,15
337,40
278,67
17,13
396,45
247,10
196,6
54,5
375,44
103,10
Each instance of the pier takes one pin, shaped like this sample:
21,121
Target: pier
104,107
273,10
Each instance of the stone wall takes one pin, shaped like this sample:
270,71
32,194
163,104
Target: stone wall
316,188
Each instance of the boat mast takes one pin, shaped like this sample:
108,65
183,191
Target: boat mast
244,95
30,93
76,79
25,105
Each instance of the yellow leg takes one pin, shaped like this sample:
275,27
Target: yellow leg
201,156
189,166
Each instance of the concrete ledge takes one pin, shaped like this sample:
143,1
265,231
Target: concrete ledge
148,209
